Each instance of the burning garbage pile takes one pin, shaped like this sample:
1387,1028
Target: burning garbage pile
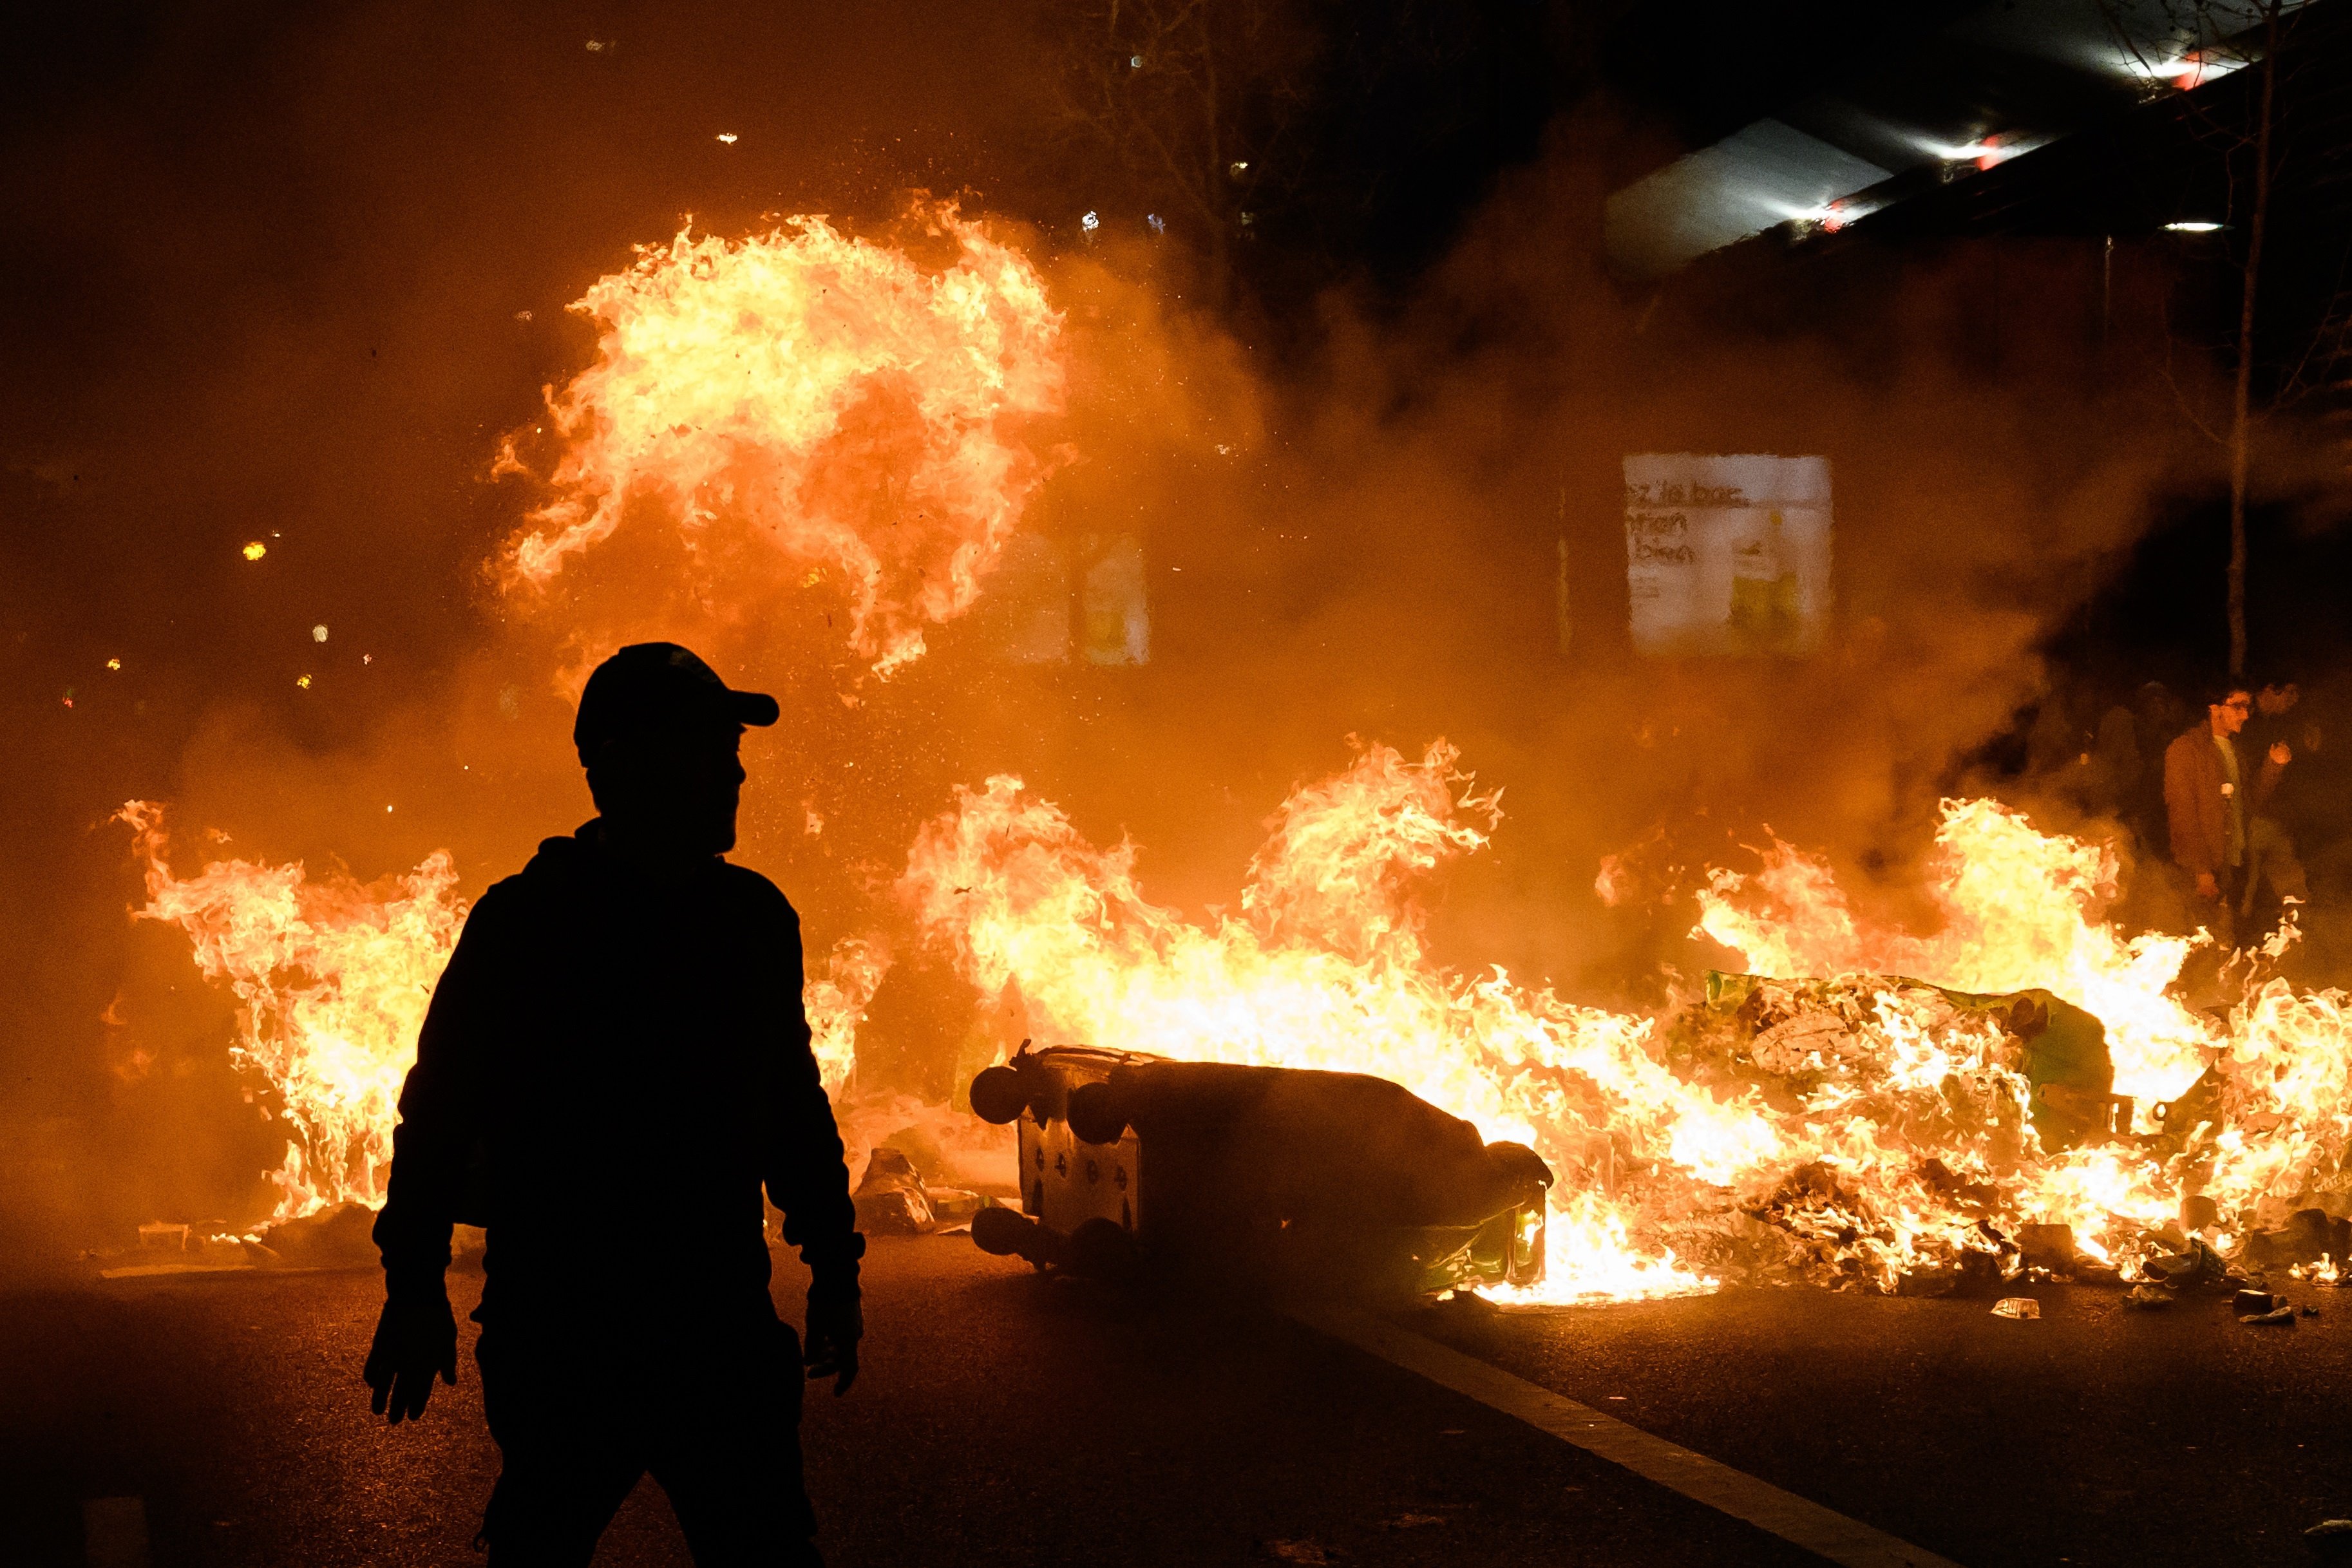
1867,1131
1860,1130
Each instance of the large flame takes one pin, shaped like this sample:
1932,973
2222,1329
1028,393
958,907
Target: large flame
332,978
861,411
1324,967
1847,1128
1854,1128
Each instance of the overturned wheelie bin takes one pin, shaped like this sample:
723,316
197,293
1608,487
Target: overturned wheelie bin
1273,1179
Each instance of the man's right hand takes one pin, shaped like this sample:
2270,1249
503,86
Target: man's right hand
416,1340
2208,887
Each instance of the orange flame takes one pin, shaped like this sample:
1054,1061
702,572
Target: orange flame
1324,969
860,411
2021,909
1862,1129
836,1003
1849,1129
333,979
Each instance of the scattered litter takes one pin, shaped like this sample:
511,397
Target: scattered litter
1412,1522
2022,1308
729,137
318,633
1306,1552
255,551
2311,1312
2252,1301
894,1200
2147,1298
2283,1317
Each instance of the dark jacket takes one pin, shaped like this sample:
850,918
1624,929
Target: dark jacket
2196,806
610,1070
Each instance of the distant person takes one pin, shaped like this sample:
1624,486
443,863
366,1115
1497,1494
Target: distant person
614,1063
2156,714
2054,743
2271,861
2210,796
2115,761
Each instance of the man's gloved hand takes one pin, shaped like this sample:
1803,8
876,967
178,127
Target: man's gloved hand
416,1340
835,1325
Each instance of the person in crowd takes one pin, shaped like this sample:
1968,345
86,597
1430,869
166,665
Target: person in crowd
2210,799
2271,866
2156,713
617,1059
2114,762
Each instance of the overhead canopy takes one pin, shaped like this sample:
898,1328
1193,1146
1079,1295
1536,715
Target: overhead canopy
1993,85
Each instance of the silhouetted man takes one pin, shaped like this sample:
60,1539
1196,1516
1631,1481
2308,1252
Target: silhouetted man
2210,796
615,1063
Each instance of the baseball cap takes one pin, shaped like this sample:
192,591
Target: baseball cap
652,683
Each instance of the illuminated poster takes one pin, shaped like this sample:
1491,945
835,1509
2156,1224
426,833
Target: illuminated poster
1728,554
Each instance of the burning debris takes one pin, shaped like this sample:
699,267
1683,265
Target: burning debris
1938,1135
1867,1131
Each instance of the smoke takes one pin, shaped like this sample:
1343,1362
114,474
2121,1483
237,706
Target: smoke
1356,528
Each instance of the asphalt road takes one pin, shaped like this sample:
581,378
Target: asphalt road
1008,1419
2097,1435
1002,1418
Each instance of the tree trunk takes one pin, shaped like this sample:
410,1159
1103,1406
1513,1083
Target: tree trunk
2240,404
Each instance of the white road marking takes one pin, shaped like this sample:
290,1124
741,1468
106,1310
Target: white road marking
1818,1530
114,1532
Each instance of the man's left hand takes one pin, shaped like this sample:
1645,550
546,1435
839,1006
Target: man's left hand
2280,753
836,1323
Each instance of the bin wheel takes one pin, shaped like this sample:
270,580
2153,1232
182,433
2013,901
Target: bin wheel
998,1096
1096,1115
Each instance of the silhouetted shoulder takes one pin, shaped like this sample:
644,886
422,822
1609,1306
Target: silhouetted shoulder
756,894
500,905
